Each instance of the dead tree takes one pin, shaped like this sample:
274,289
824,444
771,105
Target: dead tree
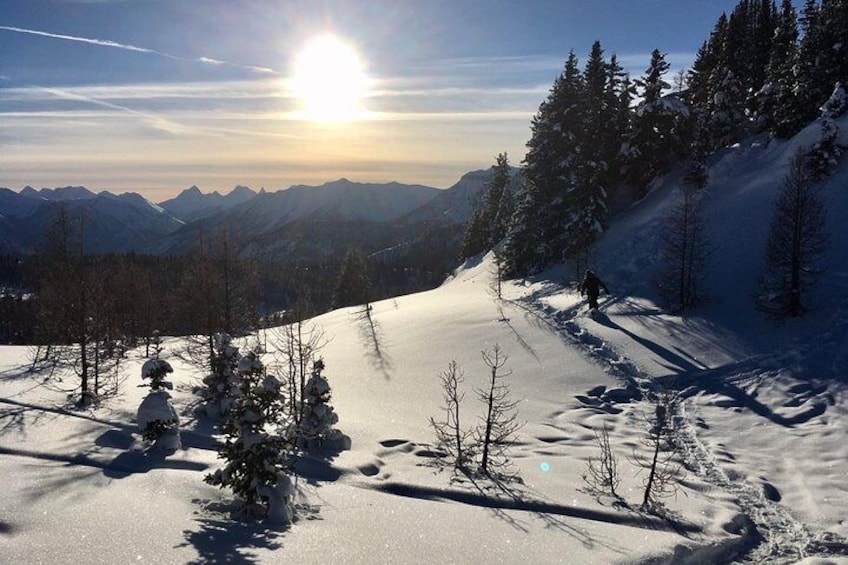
661,441
601,474
450,435
497,431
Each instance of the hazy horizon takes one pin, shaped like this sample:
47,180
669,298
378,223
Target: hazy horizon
156,96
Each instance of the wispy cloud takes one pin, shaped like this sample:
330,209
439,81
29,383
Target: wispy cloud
134,48
154,121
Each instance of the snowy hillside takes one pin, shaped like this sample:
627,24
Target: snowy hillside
760,423
764,448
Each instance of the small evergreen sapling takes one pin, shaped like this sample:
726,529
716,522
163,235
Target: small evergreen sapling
258,458
222,382
316,426
156,417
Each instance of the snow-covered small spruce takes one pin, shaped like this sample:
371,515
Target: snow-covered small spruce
157,419
222,382
316,425
258,450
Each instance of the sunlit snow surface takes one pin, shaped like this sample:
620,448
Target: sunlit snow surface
764,423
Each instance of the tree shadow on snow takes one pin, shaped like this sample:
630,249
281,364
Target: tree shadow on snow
222,538
371,337
675,363
518,337
537,507
720,381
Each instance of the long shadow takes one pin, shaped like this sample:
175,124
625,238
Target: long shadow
521,341
124,465
674,362
222,539
371,338
713,382
484,501
514,491
189,439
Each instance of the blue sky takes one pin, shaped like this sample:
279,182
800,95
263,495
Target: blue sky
154,96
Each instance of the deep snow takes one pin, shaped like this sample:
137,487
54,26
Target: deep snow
763,422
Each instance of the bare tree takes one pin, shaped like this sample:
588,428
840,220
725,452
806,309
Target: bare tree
294,349
450,435
662,466
497,432
796,243
602,471
217,294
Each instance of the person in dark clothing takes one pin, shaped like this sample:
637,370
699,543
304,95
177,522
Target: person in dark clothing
591,287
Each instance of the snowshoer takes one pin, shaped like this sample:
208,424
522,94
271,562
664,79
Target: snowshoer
591,287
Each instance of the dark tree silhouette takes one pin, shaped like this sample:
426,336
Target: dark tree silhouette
685,247
796,243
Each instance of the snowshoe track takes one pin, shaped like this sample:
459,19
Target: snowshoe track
776,537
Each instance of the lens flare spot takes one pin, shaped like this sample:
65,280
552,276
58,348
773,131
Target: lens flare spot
545,467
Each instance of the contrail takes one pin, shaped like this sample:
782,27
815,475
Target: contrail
153,121
135,48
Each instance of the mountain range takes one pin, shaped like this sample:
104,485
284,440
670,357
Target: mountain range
319,220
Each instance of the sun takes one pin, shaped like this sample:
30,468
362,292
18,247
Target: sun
329,79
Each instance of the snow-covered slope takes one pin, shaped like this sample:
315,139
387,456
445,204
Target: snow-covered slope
761,424
386,499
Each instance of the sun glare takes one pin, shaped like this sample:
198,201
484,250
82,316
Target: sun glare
329,80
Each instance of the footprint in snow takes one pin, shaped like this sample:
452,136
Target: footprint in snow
771,492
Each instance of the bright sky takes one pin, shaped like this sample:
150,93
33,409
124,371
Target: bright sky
153,96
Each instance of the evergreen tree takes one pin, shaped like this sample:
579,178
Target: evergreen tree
503,219
318,417
779,103
353,285
221,383
157,419
727,119
537,238
474,240
490,220
823,156
258,450
813,82
796,244
833,57
586,198
619,94
685,249
699,94
659,128
498,186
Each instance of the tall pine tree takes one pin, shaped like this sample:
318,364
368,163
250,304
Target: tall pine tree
536,237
